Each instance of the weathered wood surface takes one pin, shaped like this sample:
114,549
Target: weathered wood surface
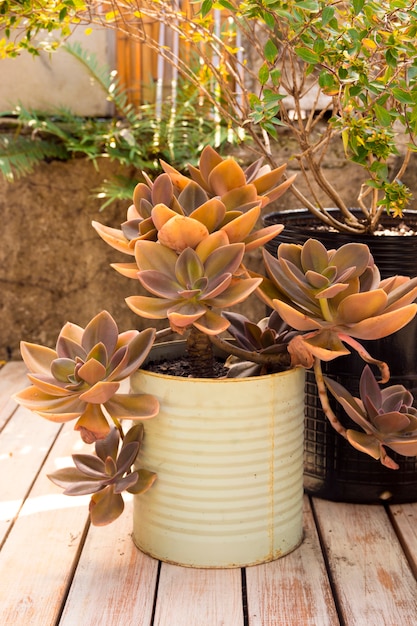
357,564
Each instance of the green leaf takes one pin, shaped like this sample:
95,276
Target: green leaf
270,51
307,55
263,74
206,7
383,116
358,6
402,95
327,15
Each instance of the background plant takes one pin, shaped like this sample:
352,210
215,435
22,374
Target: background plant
135,137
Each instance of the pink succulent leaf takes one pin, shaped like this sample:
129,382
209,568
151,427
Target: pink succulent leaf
262,236
311,256
105,506
211,323
132,406
110,467
240,197
404,292
125,483
137,351
161,214
131,228
135,433
92,424
294,318
383,325
109,446
349,403
342,258
35,400
99,353
216,286
185,314
50,386
395,397
159,284
67,348
74,482
181,232
224,260
316,280
89,465
211,214
63,370
403,446
237,291
37,359
148,307
188,268
225,176
144,481
127,457
130,270
113,237
193,196
100,393
391,422
162,189
150,255
209,244
362,306
241,227
92,372
101,329
364,443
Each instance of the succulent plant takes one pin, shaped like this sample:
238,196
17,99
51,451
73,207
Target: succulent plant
107,474
269,337
81,377
189,239
387,417
179,212
335,296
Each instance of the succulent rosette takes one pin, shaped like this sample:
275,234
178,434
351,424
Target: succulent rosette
387,417
179,212
333,296
107,474
186,288
81,377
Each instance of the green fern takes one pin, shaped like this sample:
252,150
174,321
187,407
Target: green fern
20,155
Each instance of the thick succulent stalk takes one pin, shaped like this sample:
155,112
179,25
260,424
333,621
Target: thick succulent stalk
324,399
200,353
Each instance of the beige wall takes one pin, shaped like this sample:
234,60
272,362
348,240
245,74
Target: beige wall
58,79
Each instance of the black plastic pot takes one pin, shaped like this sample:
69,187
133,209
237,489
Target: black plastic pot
332,468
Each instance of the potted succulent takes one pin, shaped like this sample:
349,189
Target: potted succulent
218,479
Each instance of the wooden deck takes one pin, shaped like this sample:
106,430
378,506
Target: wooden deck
356,566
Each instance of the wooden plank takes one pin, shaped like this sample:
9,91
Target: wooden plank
24,443
293,590
373,581
404,518
114,582
37,559
199,597
12,379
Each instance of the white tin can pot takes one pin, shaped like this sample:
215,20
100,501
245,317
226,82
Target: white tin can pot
229,458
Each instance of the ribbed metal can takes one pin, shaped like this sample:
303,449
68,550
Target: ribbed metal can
229,458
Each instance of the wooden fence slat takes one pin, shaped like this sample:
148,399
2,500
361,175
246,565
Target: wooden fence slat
372,578
199,597
404,518
114,582
37,560
293,590
24,442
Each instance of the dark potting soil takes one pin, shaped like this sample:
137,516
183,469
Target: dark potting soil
181,366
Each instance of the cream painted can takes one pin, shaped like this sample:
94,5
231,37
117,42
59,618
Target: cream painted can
229,458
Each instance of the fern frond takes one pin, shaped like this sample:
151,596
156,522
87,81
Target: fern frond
20,155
